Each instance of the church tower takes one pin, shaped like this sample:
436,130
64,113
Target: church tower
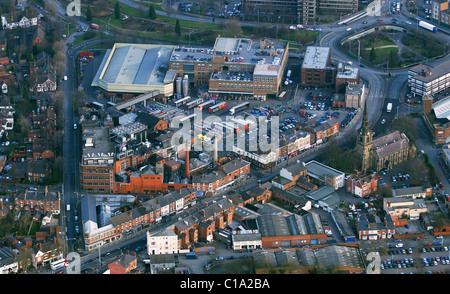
364,142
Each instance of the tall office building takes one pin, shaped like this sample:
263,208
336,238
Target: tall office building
297,11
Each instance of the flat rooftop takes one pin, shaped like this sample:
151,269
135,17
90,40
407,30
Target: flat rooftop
353,73
437,71
318,168
238,50
316,57
97,143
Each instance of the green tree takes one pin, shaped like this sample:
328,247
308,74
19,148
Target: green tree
152,12
178,28
373,54
392,58
117,10
89,13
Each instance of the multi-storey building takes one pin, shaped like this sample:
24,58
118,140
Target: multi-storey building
316,68
344,77
371,227
151,211
440,11
221,177
361,184
199,226
355,95
428,80
320,132
291,144
37,200
162,242
297,11
398,207
338,6
97,161
235,67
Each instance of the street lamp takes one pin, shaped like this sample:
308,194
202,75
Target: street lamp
190,39
359,53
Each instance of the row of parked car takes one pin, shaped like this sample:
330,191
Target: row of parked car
397,263
433,261
400,177
315,105
327,115
434,249
348,118
400,251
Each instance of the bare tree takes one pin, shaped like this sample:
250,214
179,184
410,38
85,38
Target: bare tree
25,259
233,27
59,56
50,6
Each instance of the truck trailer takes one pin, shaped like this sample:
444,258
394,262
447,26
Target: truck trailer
427,26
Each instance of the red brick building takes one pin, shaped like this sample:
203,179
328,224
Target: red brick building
124,265
362,184
222,177
43,201
199,227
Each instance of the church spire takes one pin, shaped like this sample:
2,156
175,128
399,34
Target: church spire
365,124
365,133
365,141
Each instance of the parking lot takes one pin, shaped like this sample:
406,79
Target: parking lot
426,259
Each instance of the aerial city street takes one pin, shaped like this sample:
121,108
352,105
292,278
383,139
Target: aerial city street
225,137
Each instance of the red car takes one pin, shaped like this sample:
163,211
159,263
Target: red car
380,19
427,244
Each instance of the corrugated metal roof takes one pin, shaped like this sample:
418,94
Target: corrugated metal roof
137,65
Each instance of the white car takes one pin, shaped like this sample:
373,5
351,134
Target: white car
348,29
383,121
74,126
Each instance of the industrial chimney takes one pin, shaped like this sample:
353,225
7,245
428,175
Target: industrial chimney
216,160
187,160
